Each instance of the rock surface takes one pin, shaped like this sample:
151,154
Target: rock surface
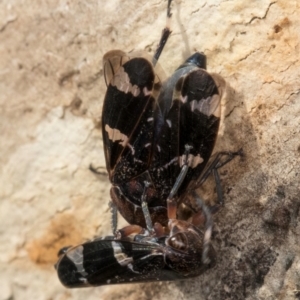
51,93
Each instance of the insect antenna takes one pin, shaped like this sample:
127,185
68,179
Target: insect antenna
164,36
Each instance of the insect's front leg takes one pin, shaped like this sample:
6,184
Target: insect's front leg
129,230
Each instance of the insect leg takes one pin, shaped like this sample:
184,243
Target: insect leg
145,209
159,230
181,175
213,167
172,208
218,186
208,227
128,230
114,217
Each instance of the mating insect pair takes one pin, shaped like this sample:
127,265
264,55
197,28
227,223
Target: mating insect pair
158,137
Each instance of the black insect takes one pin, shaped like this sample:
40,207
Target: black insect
158,137
181,252
158,131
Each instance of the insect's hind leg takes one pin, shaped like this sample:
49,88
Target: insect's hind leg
220,159
171,202
207,226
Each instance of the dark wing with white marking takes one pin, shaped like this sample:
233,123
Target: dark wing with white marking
200,110
127,117
112,61
192,120
102,262
165,167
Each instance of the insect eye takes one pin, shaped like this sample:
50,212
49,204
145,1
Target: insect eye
178,241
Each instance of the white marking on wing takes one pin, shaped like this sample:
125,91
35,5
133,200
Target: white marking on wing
131,149
121,81
130,267
119,255
169,123
138,161
192,160
76,256
206,106
146,91
183,99
116,135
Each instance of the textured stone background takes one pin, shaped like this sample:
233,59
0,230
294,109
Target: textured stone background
51,92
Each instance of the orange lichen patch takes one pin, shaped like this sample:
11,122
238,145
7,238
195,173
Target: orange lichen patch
63,231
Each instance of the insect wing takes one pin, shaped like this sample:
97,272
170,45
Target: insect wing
199,106
164,167
127,118
112,61
102,262
191,120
